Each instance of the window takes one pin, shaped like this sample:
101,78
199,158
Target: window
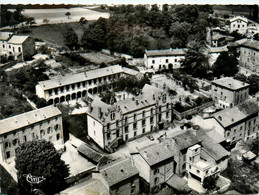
153,61
126,129
108,126
58,136
151,119
108,136
56,127
135,133
6,144
135,117
184,166
156,180
25,138
117,123
143,130
117,133
190,166
112,115
134,125
156,171
8,155
164,98
151,111
9,46
19,49
15,141
143,113
167,114
42,132
126,119
3,46
198,171
143,122
166,61
78,85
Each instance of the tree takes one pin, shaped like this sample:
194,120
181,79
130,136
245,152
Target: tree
82,21
67,14
45,21
225,64
30,21
71,38
40,158
253,80
209,182
179,33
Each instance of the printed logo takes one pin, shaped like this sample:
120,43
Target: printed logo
33,179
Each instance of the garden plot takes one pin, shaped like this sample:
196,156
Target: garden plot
97,58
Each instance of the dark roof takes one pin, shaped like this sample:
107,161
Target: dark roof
186,140
89,153
118,171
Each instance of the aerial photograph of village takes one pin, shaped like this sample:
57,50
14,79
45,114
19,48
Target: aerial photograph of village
129,99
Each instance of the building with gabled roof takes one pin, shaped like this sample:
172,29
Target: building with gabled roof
240,122
227,92
44,123
119,177
155,163
238,24
249,55
164,59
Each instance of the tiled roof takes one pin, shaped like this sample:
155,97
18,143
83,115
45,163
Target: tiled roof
89,153
215,136
5,35
230,116
157,153
238,18
18,39
254,44
83,76
165,52
96,105
186,140
28,118
230,83
130,71
118,171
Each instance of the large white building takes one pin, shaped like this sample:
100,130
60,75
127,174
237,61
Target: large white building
44,123
238,24
227,92
164,59
70,87
109,125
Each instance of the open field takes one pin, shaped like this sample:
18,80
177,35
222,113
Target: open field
58,15
98,58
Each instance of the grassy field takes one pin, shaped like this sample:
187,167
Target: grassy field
53,32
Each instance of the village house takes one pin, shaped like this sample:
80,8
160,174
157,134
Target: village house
4,37
214,52
239,123
119,177
44,123
219,40
249,55
238,24
155,163
227,92
164,59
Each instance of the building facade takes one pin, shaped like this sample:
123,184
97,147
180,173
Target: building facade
119,177
75,86
240,123
44,123
108,125
227,92
249,55
164,59
239,24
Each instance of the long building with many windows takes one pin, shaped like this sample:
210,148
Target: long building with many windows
110,125
44,123
61,89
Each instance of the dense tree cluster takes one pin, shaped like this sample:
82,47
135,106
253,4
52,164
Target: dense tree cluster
253,80
40,158
71,39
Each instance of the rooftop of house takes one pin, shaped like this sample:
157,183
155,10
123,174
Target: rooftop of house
89,153
79,77
217,36
238,18
18,39
165,52
97,106
150,89
202,165
157,153
28,118
230,116
186,140
253,44
118,171
130,71
230,83
5,35
218,49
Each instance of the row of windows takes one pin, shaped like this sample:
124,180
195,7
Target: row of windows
82,84
19,48
166,61
238,25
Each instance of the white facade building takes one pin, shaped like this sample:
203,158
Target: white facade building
239,24
164,59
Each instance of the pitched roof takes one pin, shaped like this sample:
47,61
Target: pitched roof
230,83
215,136
230,116
90,153
5,35
165,52
218,49
157,153
79,77
238,18
18,39
118,171
28,118
254,44
149,89
186,140
97,106
130,71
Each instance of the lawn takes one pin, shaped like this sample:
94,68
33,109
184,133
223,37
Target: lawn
7,183
97,58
